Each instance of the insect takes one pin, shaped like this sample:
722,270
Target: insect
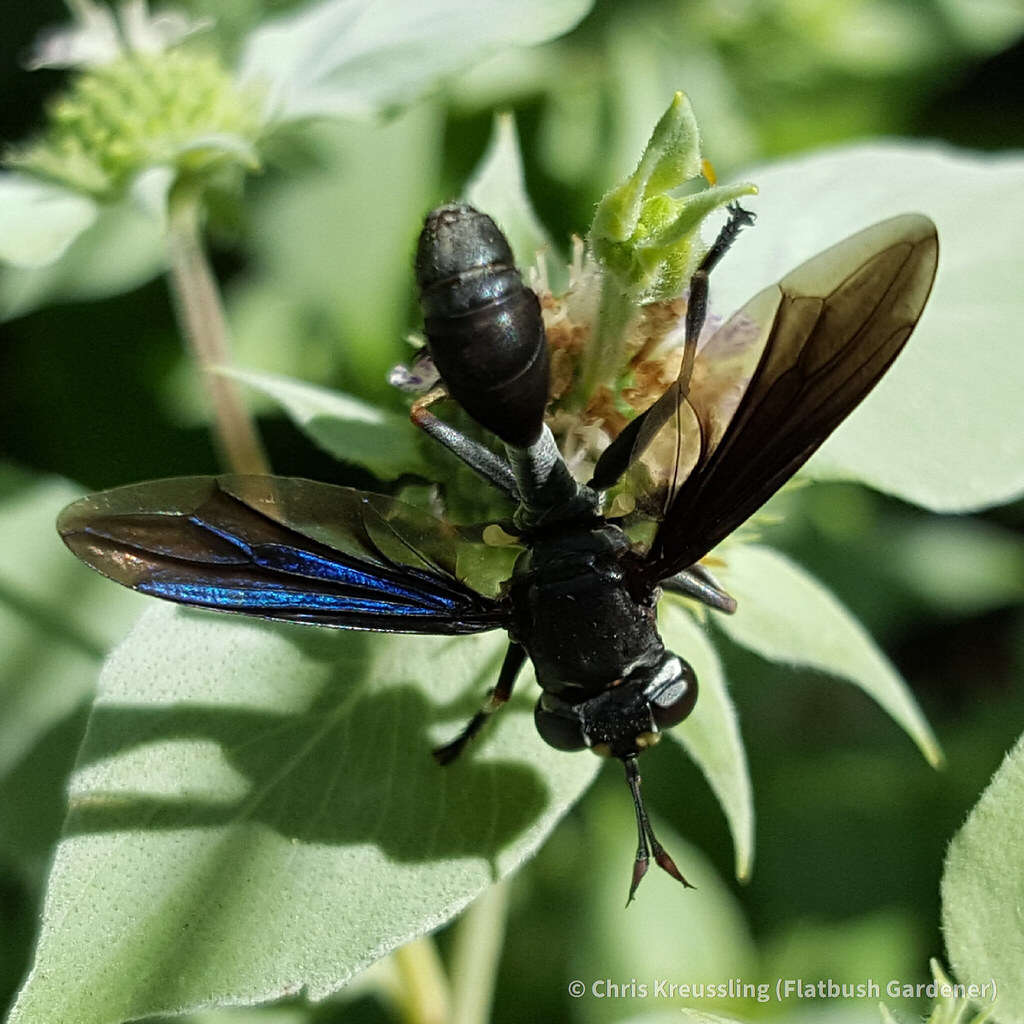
747,409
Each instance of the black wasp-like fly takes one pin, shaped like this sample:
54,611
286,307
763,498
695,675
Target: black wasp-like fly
747,410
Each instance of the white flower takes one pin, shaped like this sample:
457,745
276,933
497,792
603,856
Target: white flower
97,37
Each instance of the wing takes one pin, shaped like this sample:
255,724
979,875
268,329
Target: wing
774,381
281,548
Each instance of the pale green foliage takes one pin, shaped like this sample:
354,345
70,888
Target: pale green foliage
134,109
348,428
983,891
944,428
264,813
711,735
38,221
497,187
57,619
356,58
785,615
692,936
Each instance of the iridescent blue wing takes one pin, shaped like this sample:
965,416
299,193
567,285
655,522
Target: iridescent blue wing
282,548
772,383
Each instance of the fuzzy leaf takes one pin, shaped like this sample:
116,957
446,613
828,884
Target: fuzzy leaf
945,428
356,58
348,428
120,251
57,619
983,892
786,615
256,812
686,1014
39,220
647,942
711,734
499,189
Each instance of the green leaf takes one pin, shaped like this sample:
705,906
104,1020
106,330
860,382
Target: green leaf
711,735
356,58
650,941
697,1017
945,428
39,220
499,189
263,1015
960,566
983,892
685,1014
256,812
122,249
347,428
786,615
332,252
984,25
57,619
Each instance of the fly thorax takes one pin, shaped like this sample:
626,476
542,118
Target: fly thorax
576,616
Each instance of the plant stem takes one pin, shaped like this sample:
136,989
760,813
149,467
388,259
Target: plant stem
604,355
423,995
476,954
200,314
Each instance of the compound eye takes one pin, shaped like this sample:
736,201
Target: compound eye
673,694
560,729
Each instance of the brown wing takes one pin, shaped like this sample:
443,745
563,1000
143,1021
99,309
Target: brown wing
775,381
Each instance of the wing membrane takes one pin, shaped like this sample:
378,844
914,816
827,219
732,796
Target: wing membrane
281,548
787,369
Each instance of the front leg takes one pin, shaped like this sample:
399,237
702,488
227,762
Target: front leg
498,697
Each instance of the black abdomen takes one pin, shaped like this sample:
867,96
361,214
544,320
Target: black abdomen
483,324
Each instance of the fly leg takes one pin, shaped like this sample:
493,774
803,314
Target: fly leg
698,583
514,658
697,303
626,448
494,469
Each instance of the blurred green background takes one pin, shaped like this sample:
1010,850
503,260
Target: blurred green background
852,824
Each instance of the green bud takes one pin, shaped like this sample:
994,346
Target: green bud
648,240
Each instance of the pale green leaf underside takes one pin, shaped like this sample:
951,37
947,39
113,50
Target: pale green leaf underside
256,813
119,251
685,1014
331,254
945,428
39,220
348,428
666,926
711,734
355,58
786,615
57,619
983,891
498,188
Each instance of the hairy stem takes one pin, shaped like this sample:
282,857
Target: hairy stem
476,954
200,314
423,994
604,355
